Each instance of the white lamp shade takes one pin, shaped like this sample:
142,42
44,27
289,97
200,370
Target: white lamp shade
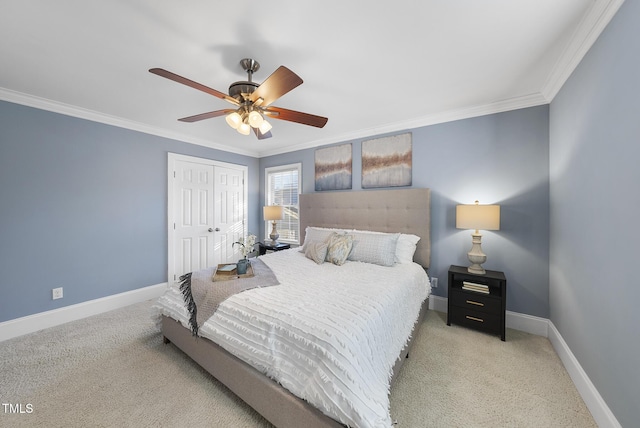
244,129
255,119
234,120
273,212
478,217
265,127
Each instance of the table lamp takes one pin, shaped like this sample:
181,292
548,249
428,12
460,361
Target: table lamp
273,213
477,217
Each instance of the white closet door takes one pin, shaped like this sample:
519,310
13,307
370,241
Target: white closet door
229,213
207,210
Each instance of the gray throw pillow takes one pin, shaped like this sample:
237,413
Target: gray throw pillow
316,251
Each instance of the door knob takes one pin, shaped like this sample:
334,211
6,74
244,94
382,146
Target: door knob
217,229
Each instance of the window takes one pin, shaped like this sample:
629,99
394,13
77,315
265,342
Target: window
283,186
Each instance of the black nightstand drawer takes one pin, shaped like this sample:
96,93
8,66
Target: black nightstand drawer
475,301
489,323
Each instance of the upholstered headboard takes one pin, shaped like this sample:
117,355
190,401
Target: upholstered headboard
397,210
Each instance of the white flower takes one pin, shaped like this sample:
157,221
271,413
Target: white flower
247,244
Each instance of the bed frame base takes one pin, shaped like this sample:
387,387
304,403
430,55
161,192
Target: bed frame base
267,397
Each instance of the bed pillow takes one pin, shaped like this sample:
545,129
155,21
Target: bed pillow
316,251
320,234
338,248
406,248
376,248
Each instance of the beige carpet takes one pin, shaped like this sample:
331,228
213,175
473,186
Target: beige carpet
112,370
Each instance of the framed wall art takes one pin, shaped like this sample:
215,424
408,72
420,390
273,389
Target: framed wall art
333,167
387,161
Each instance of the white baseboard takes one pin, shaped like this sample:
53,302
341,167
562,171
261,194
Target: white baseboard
544,327
528,323
601,413
29,324
437,303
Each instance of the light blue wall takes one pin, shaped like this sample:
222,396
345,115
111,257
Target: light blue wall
595,201
83,206
501,158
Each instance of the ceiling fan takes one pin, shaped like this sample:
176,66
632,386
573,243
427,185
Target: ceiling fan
252,101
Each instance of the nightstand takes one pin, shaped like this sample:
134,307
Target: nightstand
477,301
264,246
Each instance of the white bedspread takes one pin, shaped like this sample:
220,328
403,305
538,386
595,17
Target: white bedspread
329,334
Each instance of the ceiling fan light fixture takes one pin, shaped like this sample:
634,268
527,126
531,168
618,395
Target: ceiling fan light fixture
244,128
252,101
255,119
234,120
265,127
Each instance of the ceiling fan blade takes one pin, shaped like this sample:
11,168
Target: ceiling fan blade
279,83
260,135
176,78
203,116
296,116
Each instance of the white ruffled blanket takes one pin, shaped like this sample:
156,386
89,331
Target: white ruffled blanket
329,334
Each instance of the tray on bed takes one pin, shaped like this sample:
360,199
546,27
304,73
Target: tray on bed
226,275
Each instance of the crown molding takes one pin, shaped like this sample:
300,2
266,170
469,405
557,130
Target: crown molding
70,110
447,116
517,103
589,29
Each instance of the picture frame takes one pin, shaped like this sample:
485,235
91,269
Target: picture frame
387,161
333,168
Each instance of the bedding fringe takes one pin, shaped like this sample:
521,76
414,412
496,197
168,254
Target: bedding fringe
185,288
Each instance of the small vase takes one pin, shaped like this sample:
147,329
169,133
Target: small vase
243,264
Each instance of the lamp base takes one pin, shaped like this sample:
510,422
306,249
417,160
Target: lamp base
476,256
476,269
274,234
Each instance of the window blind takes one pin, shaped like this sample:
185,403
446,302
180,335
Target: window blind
283,188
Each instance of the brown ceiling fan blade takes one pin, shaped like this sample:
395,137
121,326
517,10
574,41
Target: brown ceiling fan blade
296,116
260,135
203,116
176,78
279,83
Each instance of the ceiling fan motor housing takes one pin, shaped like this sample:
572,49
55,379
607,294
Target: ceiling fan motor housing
241,90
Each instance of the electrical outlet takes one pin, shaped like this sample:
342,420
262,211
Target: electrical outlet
56,293
434,282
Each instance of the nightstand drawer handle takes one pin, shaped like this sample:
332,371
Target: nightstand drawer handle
471,302
474,318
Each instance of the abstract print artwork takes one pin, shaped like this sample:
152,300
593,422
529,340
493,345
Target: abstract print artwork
386,162
333,167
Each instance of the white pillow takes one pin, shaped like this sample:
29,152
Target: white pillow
406,248
376,248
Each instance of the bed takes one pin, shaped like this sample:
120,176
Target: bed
244,368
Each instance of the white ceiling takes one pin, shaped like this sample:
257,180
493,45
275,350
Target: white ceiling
370,67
